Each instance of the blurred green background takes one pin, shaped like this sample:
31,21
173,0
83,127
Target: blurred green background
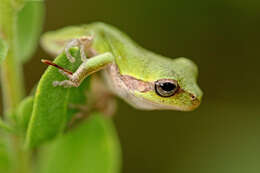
222,37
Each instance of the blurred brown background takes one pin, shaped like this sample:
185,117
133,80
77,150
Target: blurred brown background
222,37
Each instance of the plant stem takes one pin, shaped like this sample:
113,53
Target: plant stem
11,69
12,83
12,80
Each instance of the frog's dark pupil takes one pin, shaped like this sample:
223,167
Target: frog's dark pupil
167,86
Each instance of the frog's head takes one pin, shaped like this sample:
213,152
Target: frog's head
173,86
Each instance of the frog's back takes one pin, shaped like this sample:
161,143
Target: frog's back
132,59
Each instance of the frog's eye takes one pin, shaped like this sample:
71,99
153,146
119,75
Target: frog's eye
166,87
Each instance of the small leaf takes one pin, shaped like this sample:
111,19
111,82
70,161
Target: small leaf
24,113
30,24
3,50
91,147
50,107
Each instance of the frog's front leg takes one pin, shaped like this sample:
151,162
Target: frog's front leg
88,67
84,43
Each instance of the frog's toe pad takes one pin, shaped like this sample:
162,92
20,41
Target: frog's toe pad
65,83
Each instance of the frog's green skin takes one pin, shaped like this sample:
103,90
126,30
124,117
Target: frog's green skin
134,69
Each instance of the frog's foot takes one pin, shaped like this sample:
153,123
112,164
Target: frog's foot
71,44
65,83
83,43
71,82
65,74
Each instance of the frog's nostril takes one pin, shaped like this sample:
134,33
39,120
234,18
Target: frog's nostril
193,97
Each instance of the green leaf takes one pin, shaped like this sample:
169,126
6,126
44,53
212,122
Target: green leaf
78,98
30,24
24,113
91,147
50,107
3,50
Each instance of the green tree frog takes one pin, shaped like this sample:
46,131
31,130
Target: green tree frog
142,78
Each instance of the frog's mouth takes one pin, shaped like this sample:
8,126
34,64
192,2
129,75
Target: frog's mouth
143,101
139,88
135,91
